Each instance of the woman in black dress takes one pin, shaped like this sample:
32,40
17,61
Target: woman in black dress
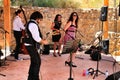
56,25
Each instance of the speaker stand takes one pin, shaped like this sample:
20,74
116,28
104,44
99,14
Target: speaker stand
97,70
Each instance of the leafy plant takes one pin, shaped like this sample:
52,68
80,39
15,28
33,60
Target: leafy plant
63,3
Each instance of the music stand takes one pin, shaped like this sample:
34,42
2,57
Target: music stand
5,43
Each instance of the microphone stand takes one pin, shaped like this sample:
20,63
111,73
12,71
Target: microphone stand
5,43
79,57
70,50
1,73
2,53
79,33
70,76
5,32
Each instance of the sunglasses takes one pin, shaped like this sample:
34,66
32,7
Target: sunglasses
74,15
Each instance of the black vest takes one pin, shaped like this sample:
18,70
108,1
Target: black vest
29,35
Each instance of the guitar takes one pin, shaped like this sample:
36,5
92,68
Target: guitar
56,32
42,46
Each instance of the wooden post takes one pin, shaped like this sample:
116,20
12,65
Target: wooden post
7,21
105,23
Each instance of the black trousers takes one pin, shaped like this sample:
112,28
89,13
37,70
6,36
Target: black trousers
35,63
17,35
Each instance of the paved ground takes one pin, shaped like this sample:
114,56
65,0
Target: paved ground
53,68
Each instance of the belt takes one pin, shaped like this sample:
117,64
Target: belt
69,31
26,44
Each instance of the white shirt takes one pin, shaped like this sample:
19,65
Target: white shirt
33,28
17,24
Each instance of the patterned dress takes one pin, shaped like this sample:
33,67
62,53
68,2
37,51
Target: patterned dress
69,39
70,33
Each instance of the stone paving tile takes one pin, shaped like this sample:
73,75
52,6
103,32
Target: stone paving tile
53,68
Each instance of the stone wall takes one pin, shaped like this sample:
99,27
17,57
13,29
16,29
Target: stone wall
89,22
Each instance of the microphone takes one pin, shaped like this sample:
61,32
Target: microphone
47,34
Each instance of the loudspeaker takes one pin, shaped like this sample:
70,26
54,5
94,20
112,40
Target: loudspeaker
115,76
46,50
105,46
103,15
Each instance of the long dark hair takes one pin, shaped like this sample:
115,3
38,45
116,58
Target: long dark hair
56,17
71,18
18,11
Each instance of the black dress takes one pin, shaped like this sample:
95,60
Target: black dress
56,35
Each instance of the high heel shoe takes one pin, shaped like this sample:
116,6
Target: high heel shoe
73,65
54,55
70,63
59,54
